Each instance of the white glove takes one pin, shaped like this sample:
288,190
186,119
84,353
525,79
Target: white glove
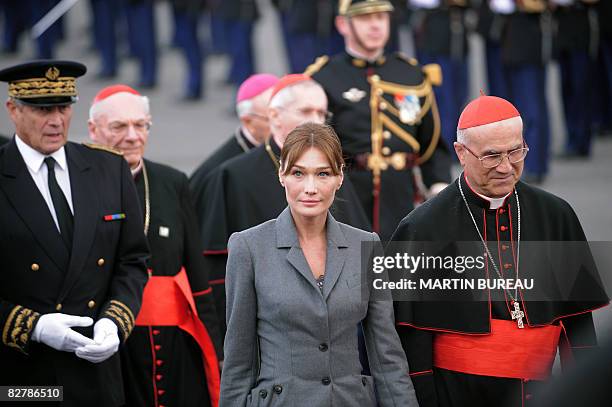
54,330
106,342
503,6
427,4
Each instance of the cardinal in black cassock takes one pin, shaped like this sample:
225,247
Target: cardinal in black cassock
493,345
171,356
251,103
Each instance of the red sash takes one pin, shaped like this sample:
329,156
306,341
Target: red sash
167,301
507,351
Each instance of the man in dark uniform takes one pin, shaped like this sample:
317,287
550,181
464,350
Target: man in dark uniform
494,344
440,36
251,106
517,54
170,358
73,250
3,140
576,43
245,191
308,30
383,145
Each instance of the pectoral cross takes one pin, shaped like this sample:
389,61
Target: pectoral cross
518,314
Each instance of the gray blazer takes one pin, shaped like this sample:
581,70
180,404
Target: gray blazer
288,343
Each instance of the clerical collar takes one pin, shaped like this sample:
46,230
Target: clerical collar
248,136
360,61
136,171
34,159
485,201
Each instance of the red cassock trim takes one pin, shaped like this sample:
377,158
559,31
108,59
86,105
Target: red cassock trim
203,292
217,281
167,301
508,351
424,372
214,252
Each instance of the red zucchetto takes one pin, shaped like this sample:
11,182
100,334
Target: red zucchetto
484,110
112,90
289,80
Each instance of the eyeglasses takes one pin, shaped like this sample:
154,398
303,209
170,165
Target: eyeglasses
493,160
259,116
121,128
324,115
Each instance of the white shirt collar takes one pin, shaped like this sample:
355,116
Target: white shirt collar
34,159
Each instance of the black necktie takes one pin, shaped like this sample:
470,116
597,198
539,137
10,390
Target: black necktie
62,210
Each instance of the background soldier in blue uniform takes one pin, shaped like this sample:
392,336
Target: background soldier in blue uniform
73,250
411,130
576,43
308,31
238,18
519,46
440,34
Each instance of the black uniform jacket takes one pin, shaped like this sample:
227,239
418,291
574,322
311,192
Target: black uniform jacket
103,277
175,242
243,10
345,80
524,38
553,252
441,31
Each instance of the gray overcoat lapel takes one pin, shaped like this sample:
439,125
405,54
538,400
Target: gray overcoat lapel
286,237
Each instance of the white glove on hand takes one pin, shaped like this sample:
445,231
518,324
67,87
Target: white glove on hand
54,330
106,342
503,6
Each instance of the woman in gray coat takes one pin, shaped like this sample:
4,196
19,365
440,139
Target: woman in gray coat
295,296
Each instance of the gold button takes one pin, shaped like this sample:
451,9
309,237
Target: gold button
387,134
100,262
386,150
91,304
35,267
58,307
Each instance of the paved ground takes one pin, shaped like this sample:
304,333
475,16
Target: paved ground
184,134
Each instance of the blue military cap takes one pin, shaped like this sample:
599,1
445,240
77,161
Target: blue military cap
44,82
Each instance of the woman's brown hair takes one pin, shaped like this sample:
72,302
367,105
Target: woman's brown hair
312,135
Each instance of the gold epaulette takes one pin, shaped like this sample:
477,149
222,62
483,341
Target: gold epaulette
18,328
103,148
433,73
406,58
316,65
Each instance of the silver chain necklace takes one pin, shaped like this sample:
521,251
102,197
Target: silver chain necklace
516,313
